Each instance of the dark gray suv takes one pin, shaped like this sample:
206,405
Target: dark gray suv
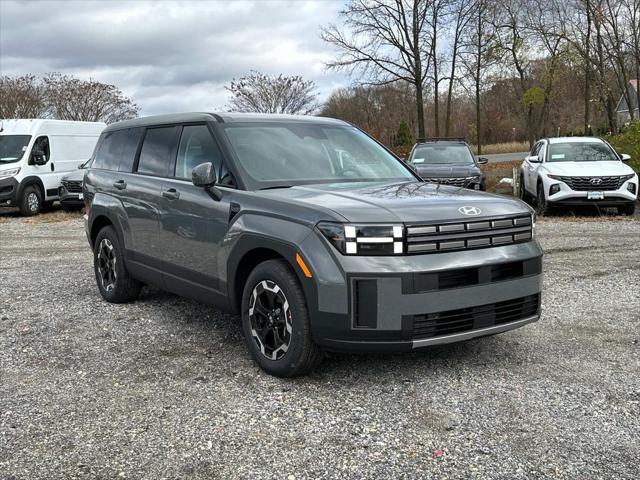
317,235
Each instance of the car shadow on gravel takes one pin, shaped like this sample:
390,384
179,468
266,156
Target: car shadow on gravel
203,333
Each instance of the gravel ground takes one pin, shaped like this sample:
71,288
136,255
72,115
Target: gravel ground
164,388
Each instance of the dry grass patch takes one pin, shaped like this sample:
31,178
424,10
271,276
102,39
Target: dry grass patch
509,147
54,216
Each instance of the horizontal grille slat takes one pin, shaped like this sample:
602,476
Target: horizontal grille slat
467,319
73,186
468,235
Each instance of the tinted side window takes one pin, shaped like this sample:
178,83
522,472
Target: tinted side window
130,149
158,149
42,144
196,146
109,150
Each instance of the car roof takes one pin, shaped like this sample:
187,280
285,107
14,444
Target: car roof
575,140
223,117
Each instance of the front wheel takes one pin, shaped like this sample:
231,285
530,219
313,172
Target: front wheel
542,207
275,321
113,279
31,201
627,209
523,191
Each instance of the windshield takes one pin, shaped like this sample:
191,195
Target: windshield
286,154
12,147
442,154
581,152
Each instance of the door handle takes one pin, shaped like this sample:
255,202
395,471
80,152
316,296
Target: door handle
120,184
171,194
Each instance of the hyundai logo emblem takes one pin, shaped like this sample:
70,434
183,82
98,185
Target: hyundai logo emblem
470,210
595,181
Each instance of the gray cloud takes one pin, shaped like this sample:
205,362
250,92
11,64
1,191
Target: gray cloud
169,56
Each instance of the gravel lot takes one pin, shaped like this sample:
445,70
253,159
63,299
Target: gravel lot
164,388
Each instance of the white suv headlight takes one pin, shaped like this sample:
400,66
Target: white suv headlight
12,172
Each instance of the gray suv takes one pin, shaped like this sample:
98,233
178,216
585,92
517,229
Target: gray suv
318,236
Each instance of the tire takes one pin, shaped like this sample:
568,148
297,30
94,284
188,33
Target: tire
30,201
542,207
524,196
627,209
113,280
280,338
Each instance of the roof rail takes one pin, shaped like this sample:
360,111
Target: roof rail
441,139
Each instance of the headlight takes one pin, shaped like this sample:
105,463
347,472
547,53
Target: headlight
9,173
555,177
350,239
533,225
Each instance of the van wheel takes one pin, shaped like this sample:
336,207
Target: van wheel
542,207
113,279
31,201
275,321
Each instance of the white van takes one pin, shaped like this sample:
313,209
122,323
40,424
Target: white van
36,154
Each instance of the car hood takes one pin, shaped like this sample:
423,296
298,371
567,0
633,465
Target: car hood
588,169
75,175
399,202
447,171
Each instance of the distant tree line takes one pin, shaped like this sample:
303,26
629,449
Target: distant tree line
482,68
63,97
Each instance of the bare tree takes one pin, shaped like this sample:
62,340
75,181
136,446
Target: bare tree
384,41
462,12
265,94
21,97
69,98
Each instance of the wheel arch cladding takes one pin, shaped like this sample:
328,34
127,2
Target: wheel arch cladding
98,224
28,181
249,252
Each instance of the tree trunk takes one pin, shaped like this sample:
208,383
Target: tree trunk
420,111
587,72
436,97
447,126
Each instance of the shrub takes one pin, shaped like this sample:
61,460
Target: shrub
628,142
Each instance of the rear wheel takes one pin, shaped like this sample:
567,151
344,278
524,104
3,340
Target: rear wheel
542,207
524,196
275,321
627,209
113,279
31,201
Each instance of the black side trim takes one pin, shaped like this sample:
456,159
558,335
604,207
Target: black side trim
365,303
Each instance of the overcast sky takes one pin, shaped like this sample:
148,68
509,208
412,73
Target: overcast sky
168,56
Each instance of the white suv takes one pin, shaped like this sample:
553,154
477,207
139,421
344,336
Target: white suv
576,171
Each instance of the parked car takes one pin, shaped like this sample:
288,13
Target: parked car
70,191
448,161
316,234
36,154
578,171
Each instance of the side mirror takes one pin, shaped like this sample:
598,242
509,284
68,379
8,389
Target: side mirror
624,157
533,159
483,160
38,157
204,175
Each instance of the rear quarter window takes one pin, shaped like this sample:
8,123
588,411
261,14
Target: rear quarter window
130,149
158,151
109,150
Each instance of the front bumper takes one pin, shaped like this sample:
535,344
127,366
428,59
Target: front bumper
8,191
71,199
576,198
402,303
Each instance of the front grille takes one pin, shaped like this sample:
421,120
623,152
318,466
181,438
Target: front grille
449,237
455,181
465,319
584,184
422,282
73,186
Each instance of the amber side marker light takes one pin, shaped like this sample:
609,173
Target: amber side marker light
303,266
